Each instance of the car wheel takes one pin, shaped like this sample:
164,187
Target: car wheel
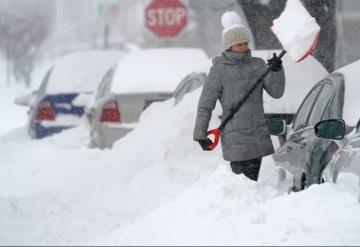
294,187
304,183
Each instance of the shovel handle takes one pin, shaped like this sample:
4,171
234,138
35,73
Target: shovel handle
216,133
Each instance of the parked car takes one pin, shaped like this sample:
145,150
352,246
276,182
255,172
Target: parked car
300,77
324,138
65,90
192,81
139,79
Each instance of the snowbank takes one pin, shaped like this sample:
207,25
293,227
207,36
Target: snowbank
156,187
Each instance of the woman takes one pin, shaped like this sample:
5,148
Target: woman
245,139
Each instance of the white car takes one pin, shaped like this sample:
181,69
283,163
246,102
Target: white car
139,79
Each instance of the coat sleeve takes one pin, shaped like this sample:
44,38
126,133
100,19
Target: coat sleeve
274,83
207,102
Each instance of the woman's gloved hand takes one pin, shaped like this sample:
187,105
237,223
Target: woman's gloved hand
275,63
205,144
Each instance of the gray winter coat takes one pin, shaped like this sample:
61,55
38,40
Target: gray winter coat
246,136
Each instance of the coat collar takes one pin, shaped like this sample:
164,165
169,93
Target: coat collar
236,58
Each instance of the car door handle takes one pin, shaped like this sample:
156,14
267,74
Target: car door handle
303,144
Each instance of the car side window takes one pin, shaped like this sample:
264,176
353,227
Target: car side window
44,82
189,84
105,84
305,108
320,104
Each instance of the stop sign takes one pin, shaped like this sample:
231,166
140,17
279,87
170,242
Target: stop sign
166,18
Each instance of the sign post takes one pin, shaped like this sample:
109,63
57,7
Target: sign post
166,18
108,13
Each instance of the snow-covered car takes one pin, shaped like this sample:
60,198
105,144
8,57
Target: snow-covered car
324,137
300,77
65,91
139,79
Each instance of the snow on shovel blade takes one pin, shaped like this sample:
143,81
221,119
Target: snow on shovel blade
297,30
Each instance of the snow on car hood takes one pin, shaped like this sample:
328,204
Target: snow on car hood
81,71
156,70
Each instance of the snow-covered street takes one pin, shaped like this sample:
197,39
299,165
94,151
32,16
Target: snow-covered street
112,112
168,191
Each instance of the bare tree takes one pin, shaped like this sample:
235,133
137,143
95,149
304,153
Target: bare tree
22,35
261,13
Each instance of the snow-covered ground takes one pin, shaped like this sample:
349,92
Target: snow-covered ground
155,187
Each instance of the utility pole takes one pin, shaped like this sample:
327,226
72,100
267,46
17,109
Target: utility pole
106,36
8,67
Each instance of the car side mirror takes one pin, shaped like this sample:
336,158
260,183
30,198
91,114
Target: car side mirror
276,126
25,99
333,129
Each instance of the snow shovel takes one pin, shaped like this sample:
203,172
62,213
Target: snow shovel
298,33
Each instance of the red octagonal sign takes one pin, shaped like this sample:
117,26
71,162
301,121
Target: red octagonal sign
166,18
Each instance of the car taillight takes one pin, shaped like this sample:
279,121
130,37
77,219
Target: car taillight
45,111
110,113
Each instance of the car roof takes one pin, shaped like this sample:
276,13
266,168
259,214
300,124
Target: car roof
300,78
81,71
156,70
351,110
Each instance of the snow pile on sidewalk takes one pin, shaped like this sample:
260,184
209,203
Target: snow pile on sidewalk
156,186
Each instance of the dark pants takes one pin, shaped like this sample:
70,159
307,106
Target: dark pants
250,168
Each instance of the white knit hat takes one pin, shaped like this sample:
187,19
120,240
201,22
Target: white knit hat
234,31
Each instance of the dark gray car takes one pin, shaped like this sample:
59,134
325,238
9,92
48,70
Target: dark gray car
325,125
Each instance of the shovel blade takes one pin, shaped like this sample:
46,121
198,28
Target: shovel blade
297,30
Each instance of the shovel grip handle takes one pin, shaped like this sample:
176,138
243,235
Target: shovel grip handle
282,54
216,133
